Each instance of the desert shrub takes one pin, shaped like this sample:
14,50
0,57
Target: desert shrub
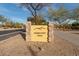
39,20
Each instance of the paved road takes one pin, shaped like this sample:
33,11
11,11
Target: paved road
10,33
69,36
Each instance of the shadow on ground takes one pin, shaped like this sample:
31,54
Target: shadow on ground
23,35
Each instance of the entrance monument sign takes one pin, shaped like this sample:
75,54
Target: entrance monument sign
39,33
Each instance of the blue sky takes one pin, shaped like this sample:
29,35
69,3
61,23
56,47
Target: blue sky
14,12
18,14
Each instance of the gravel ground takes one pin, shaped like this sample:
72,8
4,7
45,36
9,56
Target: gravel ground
17,46
14,46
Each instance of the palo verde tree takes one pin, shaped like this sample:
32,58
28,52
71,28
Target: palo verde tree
2,19
34,8
60,15
75,13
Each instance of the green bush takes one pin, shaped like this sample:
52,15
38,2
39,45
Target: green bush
38,21
75,25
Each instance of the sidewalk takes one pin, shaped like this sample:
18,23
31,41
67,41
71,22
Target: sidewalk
1,29
68,35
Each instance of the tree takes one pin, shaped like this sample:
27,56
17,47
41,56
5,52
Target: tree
18,25
2,19
75,14
8,24
40,20
60,15
34,8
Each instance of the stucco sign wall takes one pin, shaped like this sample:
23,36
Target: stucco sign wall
39,33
